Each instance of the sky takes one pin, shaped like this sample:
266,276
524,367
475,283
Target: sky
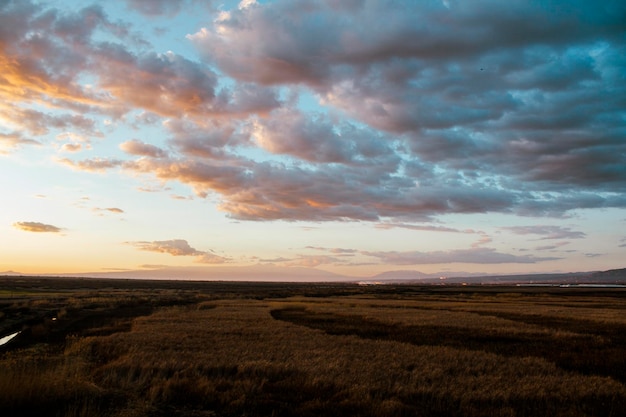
351,136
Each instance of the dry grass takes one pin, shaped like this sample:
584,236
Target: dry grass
354,354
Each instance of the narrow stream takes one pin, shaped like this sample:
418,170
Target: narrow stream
6,339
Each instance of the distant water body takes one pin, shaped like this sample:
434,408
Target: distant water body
6,339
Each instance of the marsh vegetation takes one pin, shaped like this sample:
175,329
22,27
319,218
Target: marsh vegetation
157,348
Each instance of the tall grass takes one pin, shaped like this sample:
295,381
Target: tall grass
356,354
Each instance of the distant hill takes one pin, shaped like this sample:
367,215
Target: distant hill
274,273
402,275
226,273
614,276
418,275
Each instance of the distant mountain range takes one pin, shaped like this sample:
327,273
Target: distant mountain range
278,273
613,276
225,273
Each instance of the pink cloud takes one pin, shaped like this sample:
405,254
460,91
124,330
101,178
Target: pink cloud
92,165
205,140
203,177
173,86
15,140
179,247
137,147
166,84
315,138
484,239
211,258
39,123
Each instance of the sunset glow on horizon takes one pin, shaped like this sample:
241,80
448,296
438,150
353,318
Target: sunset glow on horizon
353,136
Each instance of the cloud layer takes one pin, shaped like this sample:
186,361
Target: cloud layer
456,108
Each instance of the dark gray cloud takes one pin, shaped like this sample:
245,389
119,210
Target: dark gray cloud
516,99
156,7
317,43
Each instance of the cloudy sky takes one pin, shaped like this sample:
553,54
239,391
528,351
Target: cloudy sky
353,136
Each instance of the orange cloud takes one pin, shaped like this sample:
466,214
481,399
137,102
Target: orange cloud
175,247
24,79
109,209
210,258
179,247
114,210
71,147
42,61
36,227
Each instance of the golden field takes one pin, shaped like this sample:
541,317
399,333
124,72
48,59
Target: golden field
125,348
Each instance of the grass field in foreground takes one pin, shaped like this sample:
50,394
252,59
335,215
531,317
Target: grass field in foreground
224,349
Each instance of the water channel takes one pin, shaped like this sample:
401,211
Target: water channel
4,340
